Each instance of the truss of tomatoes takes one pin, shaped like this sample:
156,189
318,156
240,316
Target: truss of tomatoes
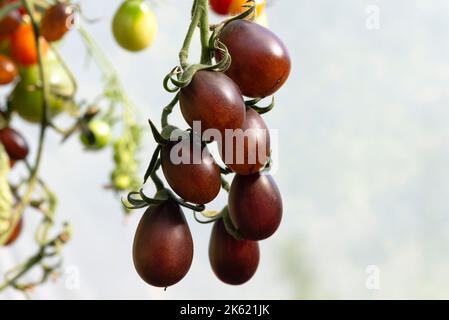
163,245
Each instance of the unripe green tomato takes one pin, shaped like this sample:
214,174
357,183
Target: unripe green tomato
124,157
27,98
120,181
134,25
97,136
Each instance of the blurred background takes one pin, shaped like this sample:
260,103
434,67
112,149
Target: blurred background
362,166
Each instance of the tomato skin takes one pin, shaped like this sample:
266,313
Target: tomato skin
98,135
238,7
255,206
163,245
26,98
198,183
15,234
9,24
260,61
14,143
134,25
8,70
56,22
23,45
233,261
220,6
215,100
256,139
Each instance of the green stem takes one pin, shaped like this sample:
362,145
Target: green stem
204,29
167,110
18,210
196,15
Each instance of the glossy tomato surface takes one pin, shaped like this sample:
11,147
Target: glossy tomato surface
8,70
163,245
213,99
260,61
191,171
14,143
249,150
233,261
57,21
255,206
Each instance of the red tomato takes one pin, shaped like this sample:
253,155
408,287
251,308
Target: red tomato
220,6
23,45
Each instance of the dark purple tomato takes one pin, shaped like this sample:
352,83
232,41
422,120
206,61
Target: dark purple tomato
249,150
15,233
14,143
255,206
191,171
57,20
233,261
215,100
163,245
260,61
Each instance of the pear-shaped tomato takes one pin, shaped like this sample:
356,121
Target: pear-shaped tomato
255,206
260,61
163,245
249,149
14,143
214,100
233,261
191,170
27,98
134,25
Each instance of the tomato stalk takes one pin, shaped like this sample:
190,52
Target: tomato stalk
196,15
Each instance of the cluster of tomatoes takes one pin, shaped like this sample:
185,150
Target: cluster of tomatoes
163,246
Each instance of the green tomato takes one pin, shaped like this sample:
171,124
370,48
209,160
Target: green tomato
120,180
134,25
97,136
27,96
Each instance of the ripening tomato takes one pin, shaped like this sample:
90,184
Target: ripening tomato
97,135
23,45
260,61
220,6
21,9
134,25
233,261
238,6
249,149
26,98
57,21
15,144
191,170
215,100
15,234
8,70
163,245
255,206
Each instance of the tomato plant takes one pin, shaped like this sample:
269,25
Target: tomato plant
134,25
23,45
